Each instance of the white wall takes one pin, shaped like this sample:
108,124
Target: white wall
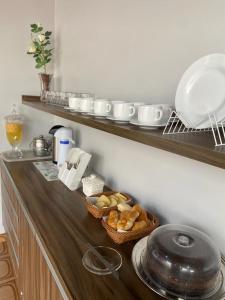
138,50
17,73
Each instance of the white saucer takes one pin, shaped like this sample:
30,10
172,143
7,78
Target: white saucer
97,116
117,120
146,125
71,110
84,112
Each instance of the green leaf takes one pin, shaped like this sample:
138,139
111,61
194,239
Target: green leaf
48,33
46,43
36,44
38,66
38,60
33,26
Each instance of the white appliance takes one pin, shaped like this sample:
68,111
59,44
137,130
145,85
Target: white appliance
64,147
63,133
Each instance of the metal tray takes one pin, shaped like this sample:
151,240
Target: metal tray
27,155
137,254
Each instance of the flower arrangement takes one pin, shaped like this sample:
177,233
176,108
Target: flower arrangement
40,46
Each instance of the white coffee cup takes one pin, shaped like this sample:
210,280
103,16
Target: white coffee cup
154,114
123,110
102,107
86,104
74,103
136,105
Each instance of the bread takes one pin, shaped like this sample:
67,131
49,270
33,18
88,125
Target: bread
139,225
113,197
126,217
123,207
113,219
143,216
110,201
126,222
113,202
104,199
100,204
124,225
124,214
121,198
137,208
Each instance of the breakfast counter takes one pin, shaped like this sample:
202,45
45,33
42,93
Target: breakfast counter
64,229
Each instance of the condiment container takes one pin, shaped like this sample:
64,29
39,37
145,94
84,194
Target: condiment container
92,185
40,146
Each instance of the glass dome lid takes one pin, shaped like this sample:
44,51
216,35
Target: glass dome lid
182,261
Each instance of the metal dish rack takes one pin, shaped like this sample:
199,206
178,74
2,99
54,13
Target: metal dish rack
176,126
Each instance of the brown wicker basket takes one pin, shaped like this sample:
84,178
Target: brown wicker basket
122,237
101,212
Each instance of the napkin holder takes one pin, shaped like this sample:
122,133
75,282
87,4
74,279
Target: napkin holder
72,171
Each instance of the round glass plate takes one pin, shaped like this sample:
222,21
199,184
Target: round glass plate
94,264
137,255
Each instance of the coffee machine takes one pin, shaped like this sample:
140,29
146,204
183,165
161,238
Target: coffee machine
59,132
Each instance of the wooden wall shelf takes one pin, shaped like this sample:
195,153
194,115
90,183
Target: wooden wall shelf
197,146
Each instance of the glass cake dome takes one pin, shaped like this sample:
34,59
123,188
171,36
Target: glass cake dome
183,262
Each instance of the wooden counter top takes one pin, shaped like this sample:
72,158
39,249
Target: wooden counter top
63,226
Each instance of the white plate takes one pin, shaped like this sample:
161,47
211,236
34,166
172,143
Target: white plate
201,91
146,125
117,120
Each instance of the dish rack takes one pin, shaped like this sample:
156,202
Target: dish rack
175,126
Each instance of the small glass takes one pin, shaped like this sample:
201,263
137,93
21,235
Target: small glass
62,98
99,264
48,97
87,95
57,98
14,133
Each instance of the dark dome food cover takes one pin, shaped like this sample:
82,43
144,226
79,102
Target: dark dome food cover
183,261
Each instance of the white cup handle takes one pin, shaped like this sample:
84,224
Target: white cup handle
159,114
108,107
132,111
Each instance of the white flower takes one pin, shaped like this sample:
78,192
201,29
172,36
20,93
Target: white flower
32,49
39,25
41,37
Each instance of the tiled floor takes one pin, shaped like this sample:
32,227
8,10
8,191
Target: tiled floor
8,289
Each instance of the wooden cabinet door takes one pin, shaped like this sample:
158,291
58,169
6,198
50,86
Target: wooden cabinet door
35,279
47,286
28,285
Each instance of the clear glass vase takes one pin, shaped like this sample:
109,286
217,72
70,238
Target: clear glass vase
45,80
